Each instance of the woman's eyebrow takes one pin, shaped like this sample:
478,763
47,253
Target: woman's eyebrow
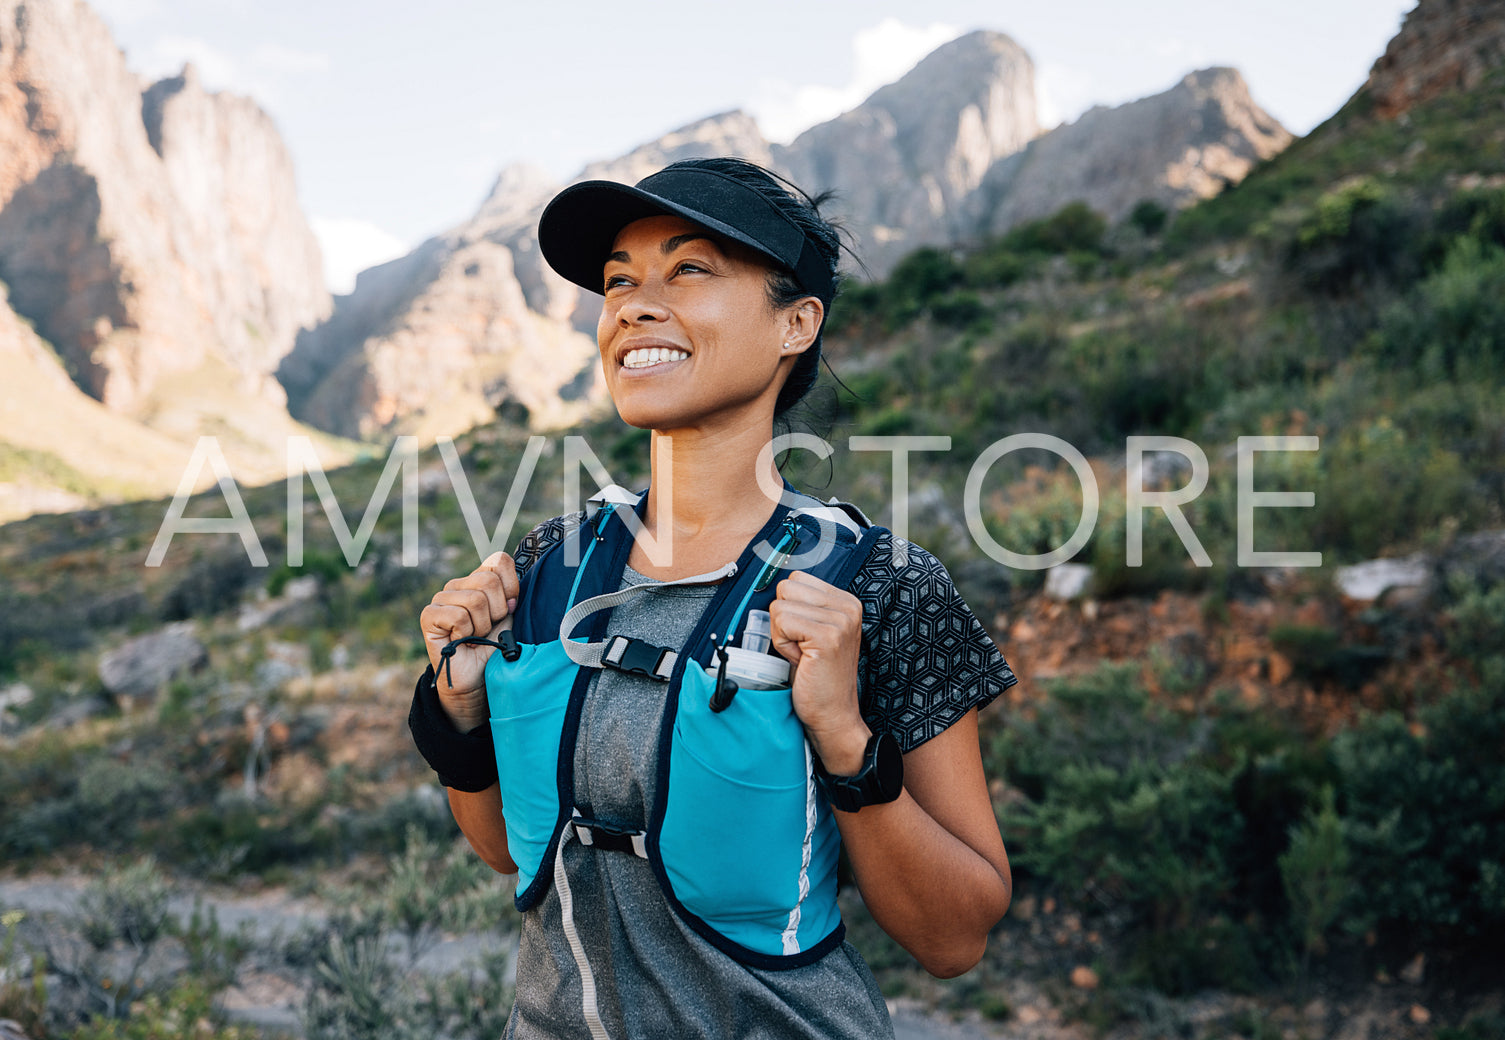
671,244
667,247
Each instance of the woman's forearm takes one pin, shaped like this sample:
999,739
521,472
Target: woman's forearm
935,895
931,865
480,817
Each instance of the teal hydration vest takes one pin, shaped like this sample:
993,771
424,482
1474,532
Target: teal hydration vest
741,842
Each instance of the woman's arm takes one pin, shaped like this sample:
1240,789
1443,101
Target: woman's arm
472,606
931,865
480,818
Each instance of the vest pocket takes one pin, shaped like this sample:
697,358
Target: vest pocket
745,837
528,699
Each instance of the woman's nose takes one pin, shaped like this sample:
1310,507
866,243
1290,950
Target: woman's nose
644,305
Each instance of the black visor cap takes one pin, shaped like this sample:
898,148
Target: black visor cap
578,227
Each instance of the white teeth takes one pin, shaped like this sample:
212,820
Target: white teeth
643,357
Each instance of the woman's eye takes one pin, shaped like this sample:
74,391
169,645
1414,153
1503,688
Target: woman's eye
615,280
688,266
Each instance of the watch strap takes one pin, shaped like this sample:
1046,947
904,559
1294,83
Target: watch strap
879,781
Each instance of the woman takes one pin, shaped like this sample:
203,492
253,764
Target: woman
665,894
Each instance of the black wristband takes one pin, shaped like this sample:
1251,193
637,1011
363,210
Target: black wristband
464,761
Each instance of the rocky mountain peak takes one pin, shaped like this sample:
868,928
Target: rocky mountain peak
1443,45
726,133
904,159
984,81
521,189
1174,147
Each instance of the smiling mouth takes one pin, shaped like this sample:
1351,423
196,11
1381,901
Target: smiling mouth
647,357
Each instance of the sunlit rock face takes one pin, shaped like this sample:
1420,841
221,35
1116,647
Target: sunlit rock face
904,161
144,229
1443,45
1176,147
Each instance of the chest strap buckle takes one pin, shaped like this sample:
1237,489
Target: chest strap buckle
609,837
636,657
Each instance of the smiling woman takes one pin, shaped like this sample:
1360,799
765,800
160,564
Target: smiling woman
668,715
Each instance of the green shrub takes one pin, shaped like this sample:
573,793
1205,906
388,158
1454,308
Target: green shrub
960,309
916,283
210,585
1476,621
856,303
1452,325
22,999
1038,518
187,1011
328,565
997,266
1170,823
1319,654
1314,871
1149,216
1075,227
1382,486
1424,815
1165,562
359,991
1479,214
103,802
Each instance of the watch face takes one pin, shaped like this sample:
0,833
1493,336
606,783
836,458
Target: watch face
888,767
880,780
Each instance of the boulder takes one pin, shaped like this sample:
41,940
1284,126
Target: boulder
1067,581
140,667
1373,578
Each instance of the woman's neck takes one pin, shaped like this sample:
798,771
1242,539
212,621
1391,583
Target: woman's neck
705,500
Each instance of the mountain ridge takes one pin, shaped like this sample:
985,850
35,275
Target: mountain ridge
915,164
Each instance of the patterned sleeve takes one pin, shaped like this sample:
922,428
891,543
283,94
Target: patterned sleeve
927,660
542,538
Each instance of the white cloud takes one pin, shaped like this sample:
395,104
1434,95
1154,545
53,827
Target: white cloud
288,59
124,12
168,54
351,246
881,54
257,75
1062,93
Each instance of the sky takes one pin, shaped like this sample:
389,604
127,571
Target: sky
399,116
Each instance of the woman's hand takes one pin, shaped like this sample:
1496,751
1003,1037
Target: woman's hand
470,606
818,627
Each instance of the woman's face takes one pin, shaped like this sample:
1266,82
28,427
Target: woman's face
687,334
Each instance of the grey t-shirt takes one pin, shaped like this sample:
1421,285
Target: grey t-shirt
654,975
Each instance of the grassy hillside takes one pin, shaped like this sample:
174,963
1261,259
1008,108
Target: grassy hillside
1233,781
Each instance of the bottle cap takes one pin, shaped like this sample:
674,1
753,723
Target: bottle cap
754,671
756,631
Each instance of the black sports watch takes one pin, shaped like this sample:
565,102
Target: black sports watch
879,781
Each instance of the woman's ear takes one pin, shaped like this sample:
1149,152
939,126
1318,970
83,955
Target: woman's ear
802,324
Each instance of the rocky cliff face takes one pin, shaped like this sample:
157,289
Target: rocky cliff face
473,320
1177,147
1444,45
143,233
905,159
